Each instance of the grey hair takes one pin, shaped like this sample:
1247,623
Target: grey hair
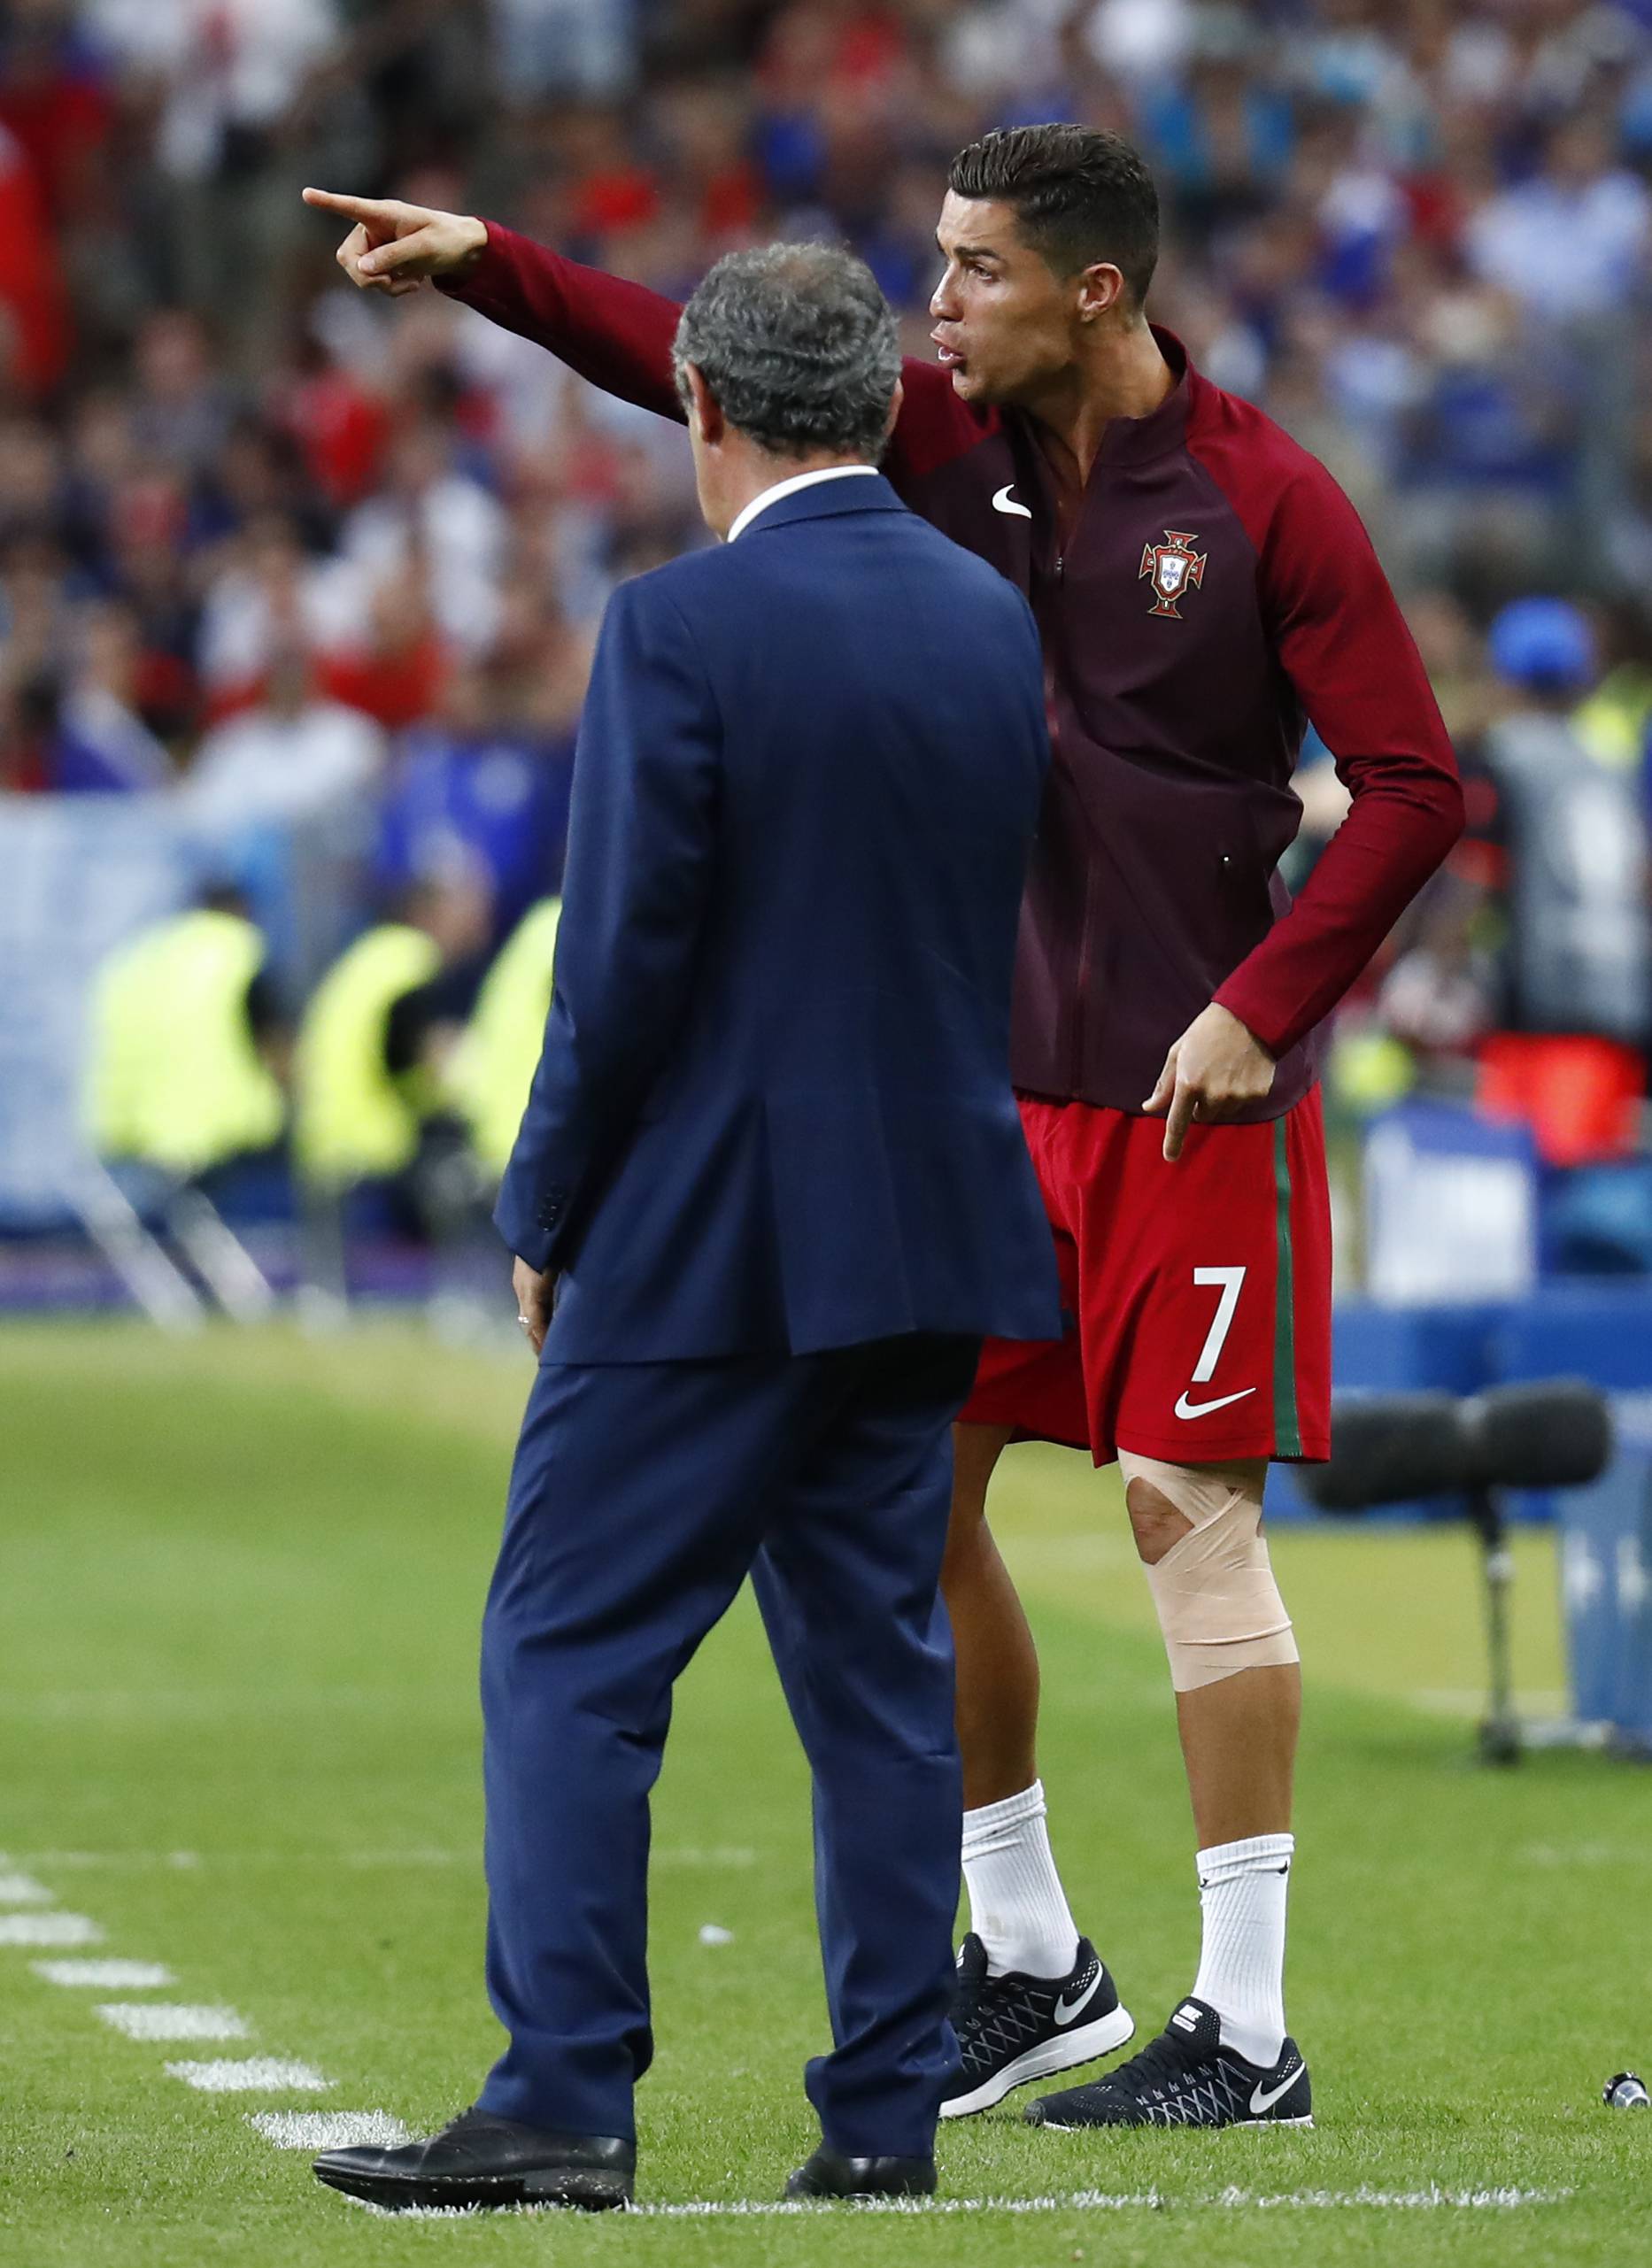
798,348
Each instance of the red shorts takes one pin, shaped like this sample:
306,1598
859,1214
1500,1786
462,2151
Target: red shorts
1198,1295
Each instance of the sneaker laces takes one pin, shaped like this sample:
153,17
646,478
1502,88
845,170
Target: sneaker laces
1159,2063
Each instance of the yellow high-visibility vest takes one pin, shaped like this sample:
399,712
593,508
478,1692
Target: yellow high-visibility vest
352,1119
174,1076
1613,721
494,1064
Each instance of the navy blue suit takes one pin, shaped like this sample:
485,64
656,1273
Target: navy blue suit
772,1155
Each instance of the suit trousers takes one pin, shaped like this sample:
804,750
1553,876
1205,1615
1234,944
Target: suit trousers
641,1497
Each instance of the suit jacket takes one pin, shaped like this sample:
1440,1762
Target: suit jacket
773,1112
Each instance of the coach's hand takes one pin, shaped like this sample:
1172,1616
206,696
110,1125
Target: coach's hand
535,1296
1215,1069
394,247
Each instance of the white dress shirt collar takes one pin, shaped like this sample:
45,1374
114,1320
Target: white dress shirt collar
791,487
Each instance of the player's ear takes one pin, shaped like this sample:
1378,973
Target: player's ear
1101,289
896,401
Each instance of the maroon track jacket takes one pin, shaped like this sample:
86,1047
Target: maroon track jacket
1218,591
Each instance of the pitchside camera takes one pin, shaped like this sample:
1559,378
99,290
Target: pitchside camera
1393,1448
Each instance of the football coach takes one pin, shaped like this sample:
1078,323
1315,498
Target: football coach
769,1193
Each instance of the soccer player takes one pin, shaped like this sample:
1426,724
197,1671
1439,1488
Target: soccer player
1202,587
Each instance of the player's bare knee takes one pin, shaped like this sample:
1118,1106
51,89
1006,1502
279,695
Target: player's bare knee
1158,1526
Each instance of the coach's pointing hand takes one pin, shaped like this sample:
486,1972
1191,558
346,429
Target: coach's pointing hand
1215,1069
395,247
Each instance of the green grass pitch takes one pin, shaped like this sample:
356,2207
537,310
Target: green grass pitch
240,1579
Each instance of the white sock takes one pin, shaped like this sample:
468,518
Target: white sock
1241,1966
1017,1906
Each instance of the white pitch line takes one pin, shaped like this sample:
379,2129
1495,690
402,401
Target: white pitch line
23,1890
151,2020
1082,2201
1091,2201
250,2075
108,1976
171,2020
183,1862
329,2130
708,1858
297,2130
49,1929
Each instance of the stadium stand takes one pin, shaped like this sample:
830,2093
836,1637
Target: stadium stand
314,579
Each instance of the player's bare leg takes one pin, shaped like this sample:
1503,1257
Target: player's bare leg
1238,1742
1225,2058
1198,1528
998,1663
1033,1996
1017,1906
1239,1732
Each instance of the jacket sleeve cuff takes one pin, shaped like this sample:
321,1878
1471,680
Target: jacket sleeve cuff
535,1245
474,284
1261,1016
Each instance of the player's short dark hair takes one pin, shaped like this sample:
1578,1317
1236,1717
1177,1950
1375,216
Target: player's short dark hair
1081,195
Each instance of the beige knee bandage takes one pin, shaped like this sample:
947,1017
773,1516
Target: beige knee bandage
1218,1604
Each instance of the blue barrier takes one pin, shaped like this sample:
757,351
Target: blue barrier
1605,1583
1592,1328
1582,1327
1383,1350
1390,1350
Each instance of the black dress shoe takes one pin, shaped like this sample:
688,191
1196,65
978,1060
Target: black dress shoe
829,2174
484,2161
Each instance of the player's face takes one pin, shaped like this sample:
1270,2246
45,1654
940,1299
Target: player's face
1004,323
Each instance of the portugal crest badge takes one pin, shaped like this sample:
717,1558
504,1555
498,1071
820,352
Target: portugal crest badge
1174,569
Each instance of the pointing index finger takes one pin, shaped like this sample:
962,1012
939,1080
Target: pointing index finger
354,208
1182,1110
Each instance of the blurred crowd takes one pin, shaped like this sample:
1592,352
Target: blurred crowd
298,560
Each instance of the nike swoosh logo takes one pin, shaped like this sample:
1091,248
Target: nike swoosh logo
1186,1408
1005,502
1264,2098
1064,2014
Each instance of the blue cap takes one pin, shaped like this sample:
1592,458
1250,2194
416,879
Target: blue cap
1544,643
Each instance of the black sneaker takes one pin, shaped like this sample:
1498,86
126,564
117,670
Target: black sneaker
1186,2077
1014,2028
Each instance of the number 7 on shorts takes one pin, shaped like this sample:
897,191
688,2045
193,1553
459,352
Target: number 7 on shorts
1233,1282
